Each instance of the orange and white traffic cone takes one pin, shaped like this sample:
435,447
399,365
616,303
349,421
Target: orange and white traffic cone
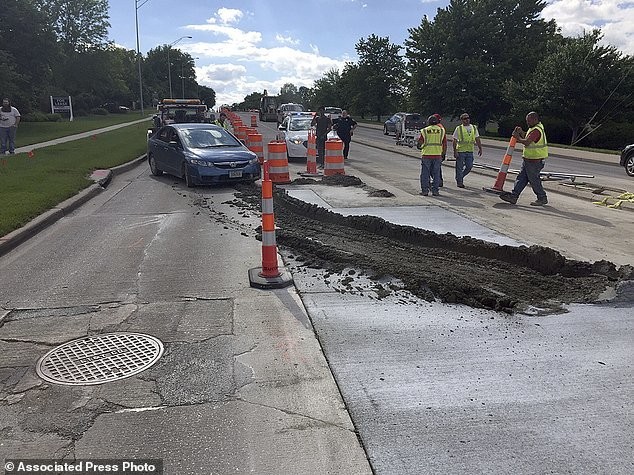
311,155
269,275
498,186
333,158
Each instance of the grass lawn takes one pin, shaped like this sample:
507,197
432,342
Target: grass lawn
36,132
33,185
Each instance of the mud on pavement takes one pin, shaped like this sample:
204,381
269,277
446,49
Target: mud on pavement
434,266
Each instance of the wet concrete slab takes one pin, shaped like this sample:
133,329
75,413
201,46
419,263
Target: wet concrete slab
439,388
429,217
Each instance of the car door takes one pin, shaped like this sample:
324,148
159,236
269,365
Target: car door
158,147
174,153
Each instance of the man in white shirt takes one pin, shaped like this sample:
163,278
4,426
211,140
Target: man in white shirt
9,120
464,138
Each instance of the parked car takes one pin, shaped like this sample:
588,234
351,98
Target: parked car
286,109
333,112
390,124
294,131
408,121
627,159
202,154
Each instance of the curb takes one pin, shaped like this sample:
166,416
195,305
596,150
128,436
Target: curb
30,229
502,146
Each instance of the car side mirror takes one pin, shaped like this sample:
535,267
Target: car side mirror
174,143
281,127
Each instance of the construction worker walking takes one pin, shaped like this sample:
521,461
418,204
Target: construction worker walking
433,145
535,152
464,138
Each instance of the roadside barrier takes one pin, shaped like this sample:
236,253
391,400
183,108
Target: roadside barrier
311,153
333,158
278,162
255,144
498,186
269,275
254,121
241,133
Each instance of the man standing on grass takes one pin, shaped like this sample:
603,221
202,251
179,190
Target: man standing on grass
9,120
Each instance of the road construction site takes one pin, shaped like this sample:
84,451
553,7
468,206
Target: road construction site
465,335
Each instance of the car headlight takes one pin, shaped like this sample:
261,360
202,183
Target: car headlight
202,163
296,140
253,161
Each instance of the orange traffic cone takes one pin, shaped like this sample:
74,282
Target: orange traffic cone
269,275
278,162
333,158
498,186
254,143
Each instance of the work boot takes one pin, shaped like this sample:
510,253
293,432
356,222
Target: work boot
509,198
539,202
460,185
435,193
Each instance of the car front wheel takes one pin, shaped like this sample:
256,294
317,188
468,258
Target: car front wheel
153,168
629,165
189,181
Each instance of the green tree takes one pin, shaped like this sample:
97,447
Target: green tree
582,84
251,101
288,93
460,60
28,52
381,67
326,90
79,24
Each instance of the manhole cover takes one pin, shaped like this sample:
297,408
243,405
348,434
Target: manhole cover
99,359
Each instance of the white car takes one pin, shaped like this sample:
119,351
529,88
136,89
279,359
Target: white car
294,131
333,112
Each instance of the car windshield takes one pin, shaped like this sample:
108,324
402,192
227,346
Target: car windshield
294,107
302,123
207,138
332,110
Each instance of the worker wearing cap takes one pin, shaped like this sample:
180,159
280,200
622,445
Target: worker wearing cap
464,138
433,145
535,152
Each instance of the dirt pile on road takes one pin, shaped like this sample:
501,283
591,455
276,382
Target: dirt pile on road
439,266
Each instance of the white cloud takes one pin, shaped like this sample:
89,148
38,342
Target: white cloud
614,17
238,57
286,39
229,15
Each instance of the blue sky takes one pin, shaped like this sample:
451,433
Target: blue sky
244,46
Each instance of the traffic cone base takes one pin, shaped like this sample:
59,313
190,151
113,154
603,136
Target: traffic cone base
256,280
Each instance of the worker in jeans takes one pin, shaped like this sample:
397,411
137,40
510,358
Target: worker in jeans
535,152
464,138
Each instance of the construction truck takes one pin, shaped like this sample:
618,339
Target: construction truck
268,108
175,111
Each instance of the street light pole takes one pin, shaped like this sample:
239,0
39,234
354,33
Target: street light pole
183,77
138,50
169,65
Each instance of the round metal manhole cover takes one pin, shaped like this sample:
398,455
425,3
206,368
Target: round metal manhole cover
99,359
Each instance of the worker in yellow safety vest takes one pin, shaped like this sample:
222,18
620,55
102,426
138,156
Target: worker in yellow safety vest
222,121
464,138
535,152
433,144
